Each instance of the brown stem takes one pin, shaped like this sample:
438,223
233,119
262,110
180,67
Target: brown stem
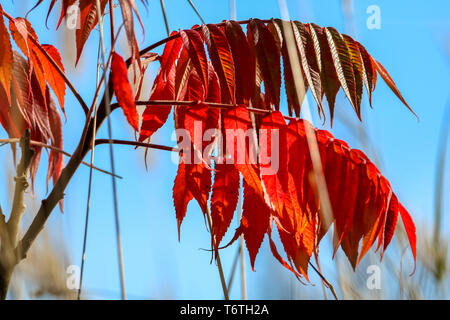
219,263
9,230
5,279
135,143
67,173
169,103
21,179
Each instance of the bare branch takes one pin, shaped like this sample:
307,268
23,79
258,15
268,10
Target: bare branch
327,283
135,143
43,145
169,103
196,11
21,179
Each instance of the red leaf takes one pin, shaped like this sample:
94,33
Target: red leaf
410,230
5,58
273,163
370,72
240,150
294,101
343,64
128,21
53,77
6,120
328,75
181,195
244,61
193,41
305,46
22,33
268,57
153,117
255,221
300,247
387,78
391,222
225,192
123,91
65,6
357,62
222,60
88,21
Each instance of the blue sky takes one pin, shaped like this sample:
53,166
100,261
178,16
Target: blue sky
411,44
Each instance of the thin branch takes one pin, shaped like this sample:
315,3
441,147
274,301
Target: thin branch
233,268
111,157
136,144
43,145
88,204
196,11
219,263
97,91
329,285
439,174
163,9
169,103
111,17
55,65
21,179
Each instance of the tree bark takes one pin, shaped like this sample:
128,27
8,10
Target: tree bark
5,279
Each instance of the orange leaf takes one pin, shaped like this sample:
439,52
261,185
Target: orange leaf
5,58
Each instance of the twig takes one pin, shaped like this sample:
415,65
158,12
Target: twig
163,9
111,157
88,202
233,268
169,103
219,263
43,145
439,174
135,143
111,25
196,11
329,285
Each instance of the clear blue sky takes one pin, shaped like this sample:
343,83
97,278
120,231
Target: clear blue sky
411,44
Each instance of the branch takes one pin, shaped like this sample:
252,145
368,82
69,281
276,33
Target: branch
135,143
43,145
169,103
2,225
21,179
327,283
196,11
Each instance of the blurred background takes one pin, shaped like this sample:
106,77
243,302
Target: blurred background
411,39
